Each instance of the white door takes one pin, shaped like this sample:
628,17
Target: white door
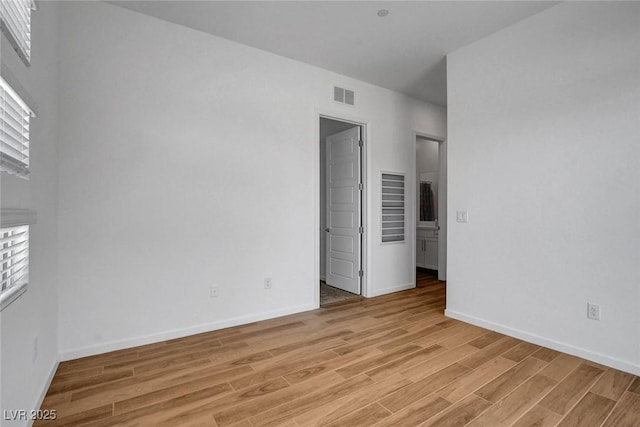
343,210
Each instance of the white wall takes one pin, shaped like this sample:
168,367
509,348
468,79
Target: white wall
25,374
544,148
187,160
427,155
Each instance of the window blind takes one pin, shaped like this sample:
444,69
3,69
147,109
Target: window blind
393,207
16,23
14,256
14,131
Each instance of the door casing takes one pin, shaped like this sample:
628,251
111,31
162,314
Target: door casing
363,123
442,203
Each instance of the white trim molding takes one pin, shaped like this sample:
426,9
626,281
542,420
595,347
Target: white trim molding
9,77
46,386
10,217
179,333
603,359
8,296
392,289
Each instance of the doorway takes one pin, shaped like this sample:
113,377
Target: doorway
431,206
341,209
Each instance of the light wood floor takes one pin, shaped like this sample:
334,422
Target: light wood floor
394,360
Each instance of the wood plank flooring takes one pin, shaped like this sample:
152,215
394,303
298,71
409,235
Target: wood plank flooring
393,360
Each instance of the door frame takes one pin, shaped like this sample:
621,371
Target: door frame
442,203
364,206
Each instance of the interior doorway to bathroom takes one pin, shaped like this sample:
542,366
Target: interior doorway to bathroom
431,205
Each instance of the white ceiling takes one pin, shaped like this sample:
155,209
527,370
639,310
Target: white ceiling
404,51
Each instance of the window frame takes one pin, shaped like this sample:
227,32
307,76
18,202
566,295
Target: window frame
11,99
12,219
21,45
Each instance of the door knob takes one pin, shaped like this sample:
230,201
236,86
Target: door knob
326,229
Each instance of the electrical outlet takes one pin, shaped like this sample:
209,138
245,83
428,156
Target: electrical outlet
593,311
462,216
267,283
214,291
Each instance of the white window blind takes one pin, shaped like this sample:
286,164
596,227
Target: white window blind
393,207
16,24
14,256
14,253
14,131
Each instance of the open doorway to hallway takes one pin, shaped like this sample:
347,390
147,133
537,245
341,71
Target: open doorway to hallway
341,206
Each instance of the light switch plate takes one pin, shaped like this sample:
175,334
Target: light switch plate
593,311
462,216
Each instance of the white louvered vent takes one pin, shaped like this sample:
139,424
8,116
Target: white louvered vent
349,97
393,207
14,256
344,96
14,131
16,24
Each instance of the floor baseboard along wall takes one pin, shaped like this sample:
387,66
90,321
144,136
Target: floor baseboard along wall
179,333
554,345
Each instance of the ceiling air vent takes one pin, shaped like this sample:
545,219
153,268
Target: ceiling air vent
343,96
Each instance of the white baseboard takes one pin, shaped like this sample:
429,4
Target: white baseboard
179,333
552,344
378,292
45,388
